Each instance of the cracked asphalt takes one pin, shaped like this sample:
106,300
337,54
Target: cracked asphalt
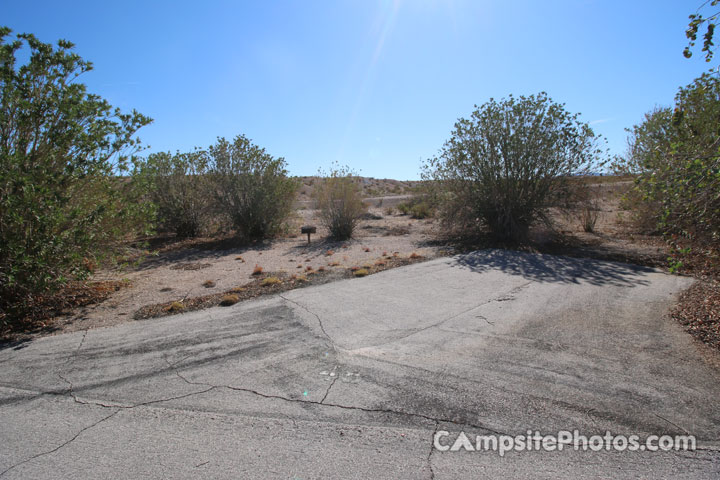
351,380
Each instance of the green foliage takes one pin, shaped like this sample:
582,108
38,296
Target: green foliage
339,200
251,187
675,153
508,164
179,187
418,207
697,20
63,201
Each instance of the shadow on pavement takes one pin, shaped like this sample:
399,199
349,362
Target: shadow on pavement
551,268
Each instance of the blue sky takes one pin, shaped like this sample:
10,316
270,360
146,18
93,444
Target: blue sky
373,84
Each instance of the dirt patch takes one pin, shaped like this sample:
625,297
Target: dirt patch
698,310
270,283
45,309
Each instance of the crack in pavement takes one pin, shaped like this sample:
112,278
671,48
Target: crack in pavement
498,298
82,341
343,407
334,379
59,447
432,449
671,423
127,407
322,327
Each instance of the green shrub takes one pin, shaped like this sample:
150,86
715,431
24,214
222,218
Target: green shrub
340,203
418,207
63,200
507,165
675,154
251,187
178,186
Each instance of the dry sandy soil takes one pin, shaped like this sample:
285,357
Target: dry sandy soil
202,267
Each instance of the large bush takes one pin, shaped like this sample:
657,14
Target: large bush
339,200
508,164
179,187
251,187
676,154
62,153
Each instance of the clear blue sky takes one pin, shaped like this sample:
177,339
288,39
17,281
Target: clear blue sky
374,84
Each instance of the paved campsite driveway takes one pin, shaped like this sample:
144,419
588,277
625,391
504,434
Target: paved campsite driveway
351,379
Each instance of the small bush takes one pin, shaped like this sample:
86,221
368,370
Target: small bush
588,218
175,307
340,203
251,186
257,270
266,282
208,284
230,299
361,272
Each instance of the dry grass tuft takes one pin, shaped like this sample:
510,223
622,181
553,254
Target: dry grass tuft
257,270
175,307
208,284
266,282
229,299
360,272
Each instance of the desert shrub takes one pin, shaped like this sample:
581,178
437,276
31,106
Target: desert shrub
508,164
339,200
229,299
588,218
251,187
64,199
404,208
675,153
178,186
269,281
418,207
